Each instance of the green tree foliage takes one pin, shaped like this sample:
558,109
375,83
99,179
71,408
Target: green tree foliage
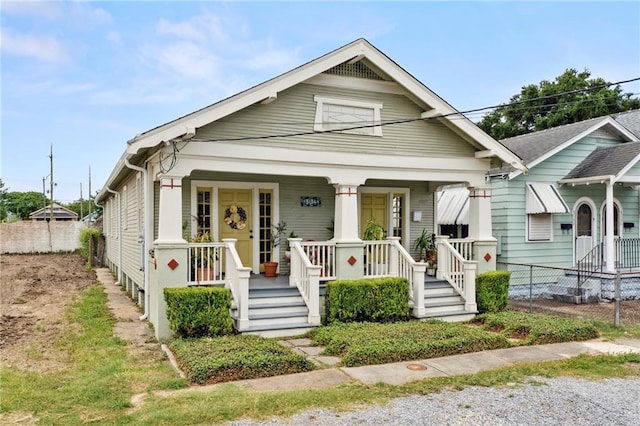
3,207
22,204
546,105
82,207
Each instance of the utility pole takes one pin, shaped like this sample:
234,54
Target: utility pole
90,203
81,202
44,194
51,184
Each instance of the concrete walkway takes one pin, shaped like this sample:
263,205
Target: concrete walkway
129,327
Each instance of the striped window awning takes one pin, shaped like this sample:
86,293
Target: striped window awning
544,198
453,206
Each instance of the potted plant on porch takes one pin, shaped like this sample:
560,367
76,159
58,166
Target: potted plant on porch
374,231
426,244
202,258
275,238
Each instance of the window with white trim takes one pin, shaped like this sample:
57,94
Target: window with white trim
355,117
539,227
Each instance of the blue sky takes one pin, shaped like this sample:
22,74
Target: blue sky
88,76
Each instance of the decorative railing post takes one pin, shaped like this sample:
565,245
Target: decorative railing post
243,305
313,303
442,268
470,286
419,270
237,280
393,256
295,263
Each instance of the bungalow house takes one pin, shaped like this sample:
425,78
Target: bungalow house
324,148
579,205
57,213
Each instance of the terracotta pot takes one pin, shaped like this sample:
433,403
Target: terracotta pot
270,269
205,274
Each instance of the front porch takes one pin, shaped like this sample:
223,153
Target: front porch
292,304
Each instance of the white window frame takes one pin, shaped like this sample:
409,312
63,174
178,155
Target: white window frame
549,236
320,125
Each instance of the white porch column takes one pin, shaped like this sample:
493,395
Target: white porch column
170,211
480,228
349,246
609,237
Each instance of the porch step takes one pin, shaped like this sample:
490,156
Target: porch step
440,307
454,316
279,330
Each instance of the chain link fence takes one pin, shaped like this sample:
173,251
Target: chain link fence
607,297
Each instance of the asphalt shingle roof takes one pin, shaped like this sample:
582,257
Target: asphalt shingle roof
606,161
534,145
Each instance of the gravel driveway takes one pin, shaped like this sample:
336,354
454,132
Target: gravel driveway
560,401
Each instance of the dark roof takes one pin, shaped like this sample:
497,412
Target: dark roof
606,161
532,146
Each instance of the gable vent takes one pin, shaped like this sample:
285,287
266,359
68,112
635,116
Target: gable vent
358,70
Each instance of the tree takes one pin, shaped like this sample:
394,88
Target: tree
570,98
82,207
3,207
22,204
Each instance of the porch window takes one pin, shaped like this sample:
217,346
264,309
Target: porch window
203,210
355,117
539,227
397,215
266,212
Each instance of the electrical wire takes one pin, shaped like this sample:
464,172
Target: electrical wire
452,115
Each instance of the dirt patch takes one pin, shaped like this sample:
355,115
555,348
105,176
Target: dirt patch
604,311
34,293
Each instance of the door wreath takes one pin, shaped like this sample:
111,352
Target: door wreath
236,217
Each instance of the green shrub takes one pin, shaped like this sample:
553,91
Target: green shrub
370,343
199,311
492,291
87,234
537,329
376,300
223,359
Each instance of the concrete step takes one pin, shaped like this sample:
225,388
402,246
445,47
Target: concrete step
443,298
279,330
276,301
293,309
275,321
451,316
440,307
273,292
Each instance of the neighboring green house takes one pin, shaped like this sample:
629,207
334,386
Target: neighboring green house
579,200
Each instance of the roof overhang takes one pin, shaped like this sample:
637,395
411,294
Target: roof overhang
544,198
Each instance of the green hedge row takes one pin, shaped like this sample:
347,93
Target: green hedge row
370,343
87,234
199,311
536,329
492,291
376,300
228,358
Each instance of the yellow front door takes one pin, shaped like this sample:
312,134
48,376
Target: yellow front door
374,206
234,207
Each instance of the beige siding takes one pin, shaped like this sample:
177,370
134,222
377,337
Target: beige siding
294,112
131,248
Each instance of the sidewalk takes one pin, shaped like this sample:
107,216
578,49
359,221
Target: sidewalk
129,327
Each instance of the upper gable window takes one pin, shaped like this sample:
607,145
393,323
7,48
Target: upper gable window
355,117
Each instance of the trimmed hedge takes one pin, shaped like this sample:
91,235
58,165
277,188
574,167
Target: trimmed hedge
375,300
537,329
222,359
199,311
369,343
492,291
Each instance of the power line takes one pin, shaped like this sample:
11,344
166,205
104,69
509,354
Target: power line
461,114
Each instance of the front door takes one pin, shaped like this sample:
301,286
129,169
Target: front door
234,211
374,206
584,231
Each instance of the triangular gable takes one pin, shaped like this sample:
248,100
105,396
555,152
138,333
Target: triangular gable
356,52
58,212
565,137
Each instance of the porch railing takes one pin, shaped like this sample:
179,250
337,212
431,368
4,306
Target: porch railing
376,258
205,263
464,246
590,264
628,252
236,278
306,277
458,271
401,264
323,254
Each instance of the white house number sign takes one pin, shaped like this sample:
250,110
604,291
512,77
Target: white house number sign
310,201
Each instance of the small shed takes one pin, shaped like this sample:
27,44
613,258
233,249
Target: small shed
59,213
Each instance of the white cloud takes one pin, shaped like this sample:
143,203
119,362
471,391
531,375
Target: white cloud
43,48
205,28
114,37
43,9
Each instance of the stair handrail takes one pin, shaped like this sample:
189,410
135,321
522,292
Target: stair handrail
457,271
402,264
306,277
237,280
590,264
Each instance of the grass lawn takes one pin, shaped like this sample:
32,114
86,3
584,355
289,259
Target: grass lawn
101,376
